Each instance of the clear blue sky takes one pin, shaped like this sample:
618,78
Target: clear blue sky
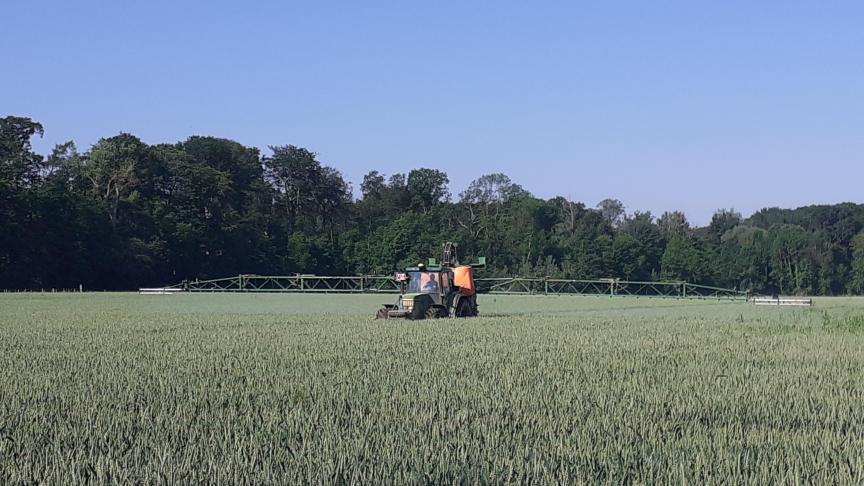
663,104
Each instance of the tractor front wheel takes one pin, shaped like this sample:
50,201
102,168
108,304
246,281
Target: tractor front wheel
435,312
382,313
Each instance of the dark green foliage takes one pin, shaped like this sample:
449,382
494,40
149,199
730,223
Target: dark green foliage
428,189
126,214
681,260
856,282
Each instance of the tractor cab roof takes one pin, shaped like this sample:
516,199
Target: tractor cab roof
424,268
435,266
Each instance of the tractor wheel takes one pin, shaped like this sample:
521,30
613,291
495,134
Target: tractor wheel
382,313
464,309
435,313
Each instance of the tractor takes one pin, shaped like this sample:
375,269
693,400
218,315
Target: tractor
434,290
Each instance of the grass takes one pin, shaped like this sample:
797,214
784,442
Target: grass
309,388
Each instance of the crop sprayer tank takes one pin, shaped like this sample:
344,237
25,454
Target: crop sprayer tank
463,276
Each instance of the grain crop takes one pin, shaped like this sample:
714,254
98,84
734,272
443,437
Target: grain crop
122,388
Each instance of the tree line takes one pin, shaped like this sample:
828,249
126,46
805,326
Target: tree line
125,214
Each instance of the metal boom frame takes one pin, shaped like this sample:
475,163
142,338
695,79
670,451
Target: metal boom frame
505,285
606,286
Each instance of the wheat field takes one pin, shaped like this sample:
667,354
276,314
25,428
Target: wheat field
122,388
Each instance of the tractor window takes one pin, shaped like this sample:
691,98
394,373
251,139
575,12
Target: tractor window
430,284
423,282
413,282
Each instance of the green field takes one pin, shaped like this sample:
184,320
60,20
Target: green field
310,388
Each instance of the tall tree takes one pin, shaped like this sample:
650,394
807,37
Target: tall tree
112,168
428,188
856,282
681,260
373,184
672,224
492,188
791,266
743,259
19,165
210,203
483,204
312,195
613,211
19,171
722,221
645,232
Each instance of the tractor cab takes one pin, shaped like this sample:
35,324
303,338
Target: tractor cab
434,290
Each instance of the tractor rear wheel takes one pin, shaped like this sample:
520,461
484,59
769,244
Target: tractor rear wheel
465,309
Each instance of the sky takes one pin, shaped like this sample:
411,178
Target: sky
665,105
